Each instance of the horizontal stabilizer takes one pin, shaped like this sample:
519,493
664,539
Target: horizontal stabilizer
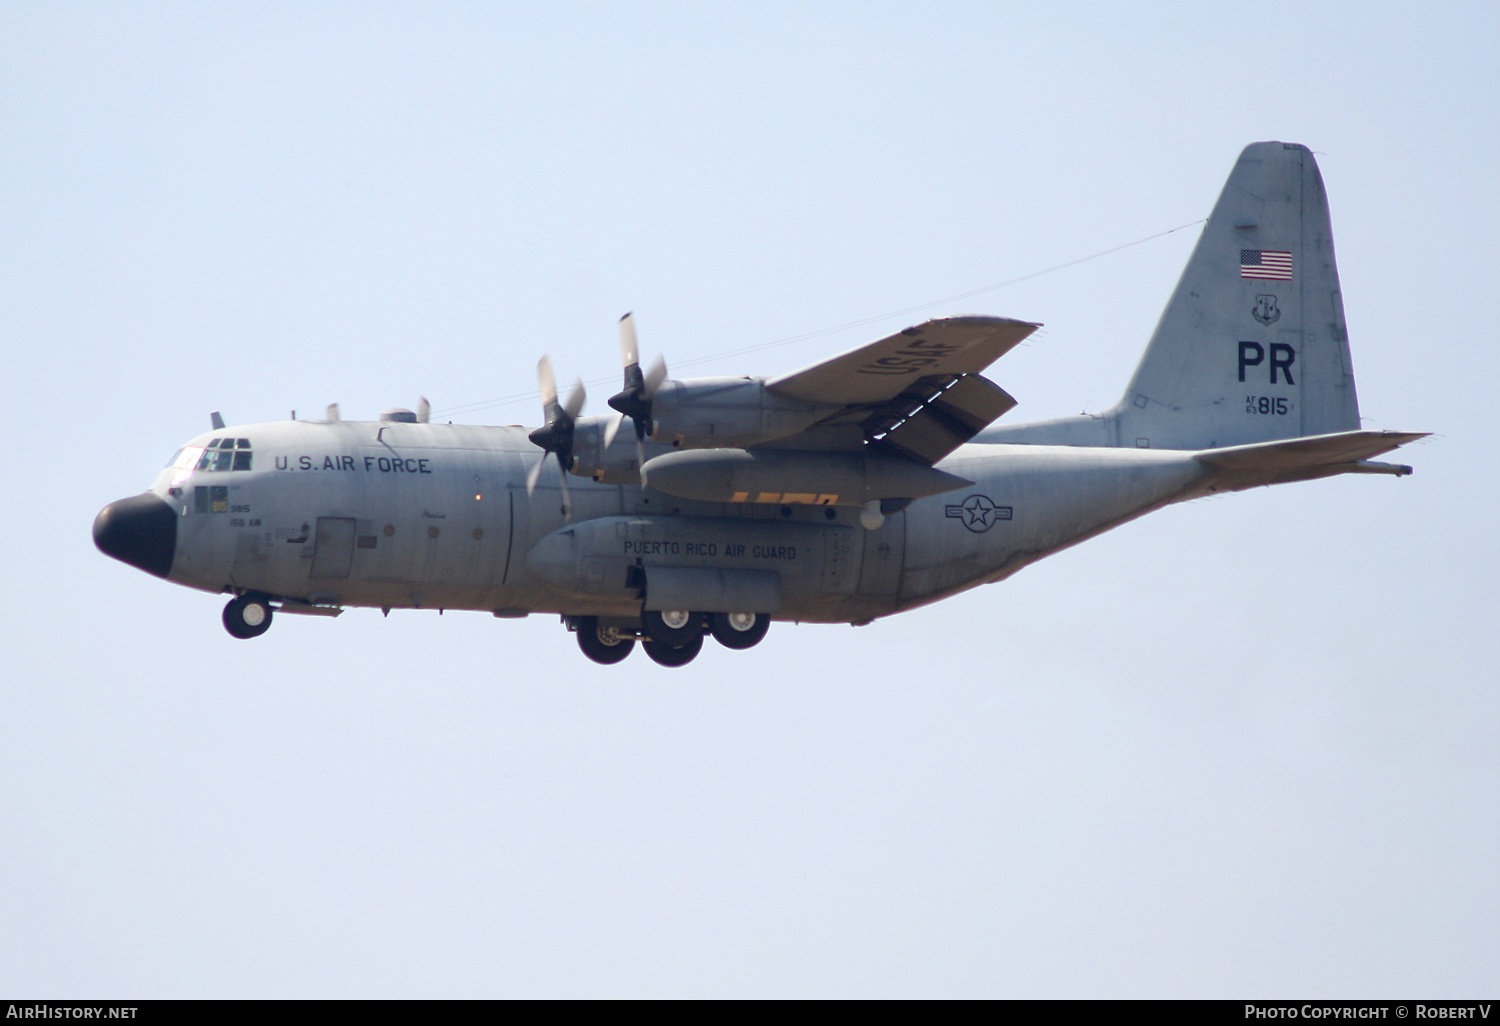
1302,459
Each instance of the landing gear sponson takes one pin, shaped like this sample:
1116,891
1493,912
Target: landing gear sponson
671,637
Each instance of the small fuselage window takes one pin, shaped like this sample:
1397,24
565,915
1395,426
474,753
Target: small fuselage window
226,454
212,499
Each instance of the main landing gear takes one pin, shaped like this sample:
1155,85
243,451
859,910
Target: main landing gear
248,616
738,630
673,655
671,637
605,645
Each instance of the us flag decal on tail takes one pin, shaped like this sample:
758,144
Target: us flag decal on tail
1266,264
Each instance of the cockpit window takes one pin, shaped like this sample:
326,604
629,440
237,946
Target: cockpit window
221,454
186,458
213,459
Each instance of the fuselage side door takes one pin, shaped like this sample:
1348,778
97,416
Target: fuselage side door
333,549
884,552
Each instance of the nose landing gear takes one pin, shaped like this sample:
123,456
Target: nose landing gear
248,616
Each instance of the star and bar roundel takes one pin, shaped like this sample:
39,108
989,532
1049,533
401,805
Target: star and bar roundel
978,512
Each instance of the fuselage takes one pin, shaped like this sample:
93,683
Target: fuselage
401,515
814,496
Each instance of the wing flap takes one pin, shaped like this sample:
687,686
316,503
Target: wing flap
976,402
948,419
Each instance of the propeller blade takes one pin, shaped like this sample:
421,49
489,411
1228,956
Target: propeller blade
611,430
567,501
634,401
424,409
640,460
556,435
655,376
630,351
545,380
575,401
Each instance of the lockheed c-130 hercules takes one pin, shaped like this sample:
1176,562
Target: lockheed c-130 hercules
859,487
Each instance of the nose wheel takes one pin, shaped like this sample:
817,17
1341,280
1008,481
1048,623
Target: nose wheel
248,616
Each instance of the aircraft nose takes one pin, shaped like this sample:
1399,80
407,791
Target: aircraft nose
140,530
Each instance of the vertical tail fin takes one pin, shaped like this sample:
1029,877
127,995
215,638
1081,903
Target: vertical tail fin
1252,346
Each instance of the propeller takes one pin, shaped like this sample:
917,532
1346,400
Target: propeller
556,435
640,388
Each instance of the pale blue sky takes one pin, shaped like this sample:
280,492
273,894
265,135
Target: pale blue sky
1245,746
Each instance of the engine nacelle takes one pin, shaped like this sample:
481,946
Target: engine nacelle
790,478
620,463
712,413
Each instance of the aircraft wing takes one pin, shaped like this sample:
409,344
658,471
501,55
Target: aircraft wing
918,392
881,370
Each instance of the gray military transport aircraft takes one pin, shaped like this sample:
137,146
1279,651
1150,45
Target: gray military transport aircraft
858,487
